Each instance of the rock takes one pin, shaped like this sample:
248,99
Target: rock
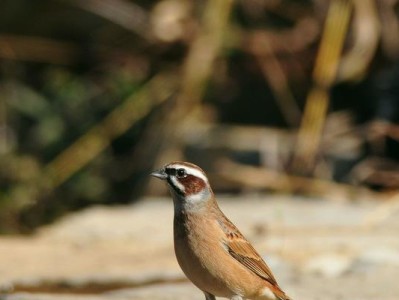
33,296
180,291
133,245
282,270
329,265
371,258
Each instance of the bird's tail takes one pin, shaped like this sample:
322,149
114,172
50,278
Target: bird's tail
284,297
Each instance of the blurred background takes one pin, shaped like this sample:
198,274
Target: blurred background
297,97
290,106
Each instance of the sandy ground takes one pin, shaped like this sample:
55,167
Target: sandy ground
317,250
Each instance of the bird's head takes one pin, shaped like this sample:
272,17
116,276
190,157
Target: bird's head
187,183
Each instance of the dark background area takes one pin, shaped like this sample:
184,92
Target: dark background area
94,94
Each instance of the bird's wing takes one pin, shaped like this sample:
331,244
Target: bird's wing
244,252
241,250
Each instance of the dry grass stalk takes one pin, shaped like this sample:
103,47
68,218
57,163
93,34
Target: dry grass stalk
260,178
37,49
324,76
197,69
385,210
366,36
275,75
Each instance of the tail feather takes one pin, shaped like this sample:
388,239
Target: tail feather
283,297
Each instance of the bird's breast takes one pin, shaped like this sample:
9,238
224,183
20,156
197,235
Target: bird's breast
196,242
203,257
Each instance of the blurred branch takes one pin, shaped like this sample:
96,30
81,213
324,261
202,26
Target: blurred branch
378,131
366,36
385,210
332,42
198,64
324,76
124,13
197,69
377,172
389,28
266,45
260,178
87,147
276,77
295,40
290,10
37,49
44,50
202,54
4,147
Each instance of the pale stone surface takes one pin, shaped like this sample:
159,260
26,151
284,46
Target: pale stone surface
329,265
131,248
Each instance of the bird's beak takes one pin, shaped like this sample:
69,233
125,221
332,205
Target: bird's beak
159,174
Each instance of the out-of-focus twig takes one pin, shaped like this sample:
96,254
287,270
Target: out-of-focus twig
331,44
378,131
388,208
260,178
284,41
275,75
366,36
3,125
202,54
45,50
124,13
389,28
324,75
198,66
377,171
290,10
37,49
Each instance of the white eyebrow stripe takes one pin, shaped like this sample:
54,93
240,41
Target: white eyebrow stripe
196,173
177,184
190,171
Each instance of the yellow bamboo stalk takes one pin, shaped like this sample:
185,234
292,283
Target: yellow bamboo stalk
324,76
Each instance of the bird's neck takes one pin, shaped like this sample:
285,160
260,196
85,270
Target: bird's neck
194,203
186,213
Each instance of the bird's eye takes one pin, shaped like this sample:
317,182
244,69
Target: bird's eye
181,173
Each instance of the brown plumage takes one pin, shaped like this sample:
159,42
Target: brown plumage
245,253
211,251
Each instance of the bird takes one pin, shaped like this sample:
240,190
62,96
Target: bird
209,248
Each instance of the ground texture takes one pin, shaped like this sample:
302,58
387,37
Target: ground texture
317,249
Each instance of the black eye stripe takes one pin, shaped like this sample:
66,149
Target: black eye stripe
180,192
170,171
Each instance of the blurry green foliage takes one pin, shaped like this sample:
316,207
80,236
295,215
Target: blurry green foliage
45,107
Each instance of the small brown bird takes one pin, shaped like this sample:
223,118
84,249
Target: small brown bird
211,251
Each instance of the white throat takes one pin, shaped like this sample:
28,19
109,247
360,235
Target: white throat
191,203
